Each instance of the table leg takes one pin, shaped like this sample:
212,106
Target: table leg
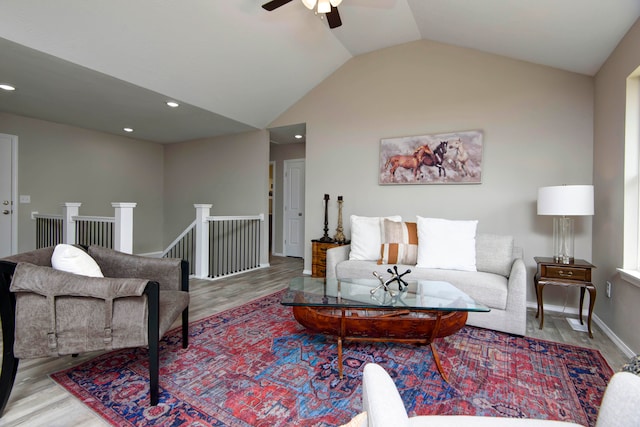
340,357
582,289
539,288
436,358
340,337
535,290
434,351
592,303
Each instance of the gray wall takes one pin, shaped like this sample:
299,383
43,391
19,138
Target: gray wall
231,173
278,154
620,312
59,163
538,131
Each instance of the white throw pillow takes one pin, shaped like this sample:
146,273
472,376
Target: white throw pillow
366,237
74,260
446,244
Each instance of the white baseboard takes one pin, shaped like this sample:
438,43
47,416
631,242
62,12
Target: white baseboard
616,340
306,272
574,311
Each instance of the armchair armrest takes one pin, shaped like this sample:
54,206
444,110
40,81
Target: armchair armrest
334,256
168,272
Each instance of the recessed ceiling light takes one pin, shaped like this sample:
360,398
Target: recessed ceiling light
127,129
298,136
173,104
7,87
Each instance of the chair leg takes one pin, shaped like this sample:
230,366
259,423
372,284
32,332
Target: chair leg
153,295
153,372
185,328
7,378
9,361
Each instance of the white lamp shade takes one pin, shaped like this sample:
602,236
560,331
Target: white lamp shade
566,200
335,3
310,4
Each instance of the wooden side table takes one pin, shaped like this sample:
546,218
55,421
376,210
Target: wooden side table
577,273
319,257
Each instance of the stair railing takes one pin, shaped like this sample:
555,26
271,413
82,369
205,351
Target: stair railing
113,232
219,246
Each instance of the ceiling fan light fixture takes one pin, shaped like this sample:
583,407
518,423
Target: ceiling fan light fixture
310,4
335,3
324,6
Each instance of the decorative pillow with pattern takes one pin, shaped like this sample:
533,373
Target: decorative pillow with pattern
399,243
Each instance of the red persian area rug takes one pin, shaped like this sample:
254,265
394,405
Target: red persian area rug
256,366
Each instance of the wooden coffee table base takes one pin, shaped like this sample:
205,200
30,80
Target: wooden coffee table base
382,324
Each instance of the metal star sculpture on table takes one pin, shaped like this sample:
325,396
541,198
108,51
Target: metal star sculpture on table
395,277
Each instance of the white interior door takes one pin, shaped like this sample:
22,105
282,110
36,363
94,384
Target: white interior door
294,208
8,174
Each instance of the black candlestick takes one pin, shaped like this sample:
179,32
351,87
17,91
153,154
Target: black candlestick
326,237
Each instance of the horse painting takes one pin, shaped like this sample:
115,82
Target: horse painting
461,155
412,163
436,158
457,157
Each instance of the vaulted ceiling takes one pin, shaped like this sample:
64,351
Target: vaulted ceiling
234,67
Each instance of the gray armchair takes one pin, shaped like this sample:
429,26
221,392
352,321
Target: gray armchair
46,312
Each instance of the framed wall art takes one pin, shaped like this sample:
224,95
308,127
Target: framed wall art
443,158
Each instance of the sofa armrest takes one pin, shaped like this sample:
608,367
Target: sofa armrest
334,256
517,296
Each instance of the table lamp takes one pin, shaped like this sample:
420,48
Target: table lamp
565,201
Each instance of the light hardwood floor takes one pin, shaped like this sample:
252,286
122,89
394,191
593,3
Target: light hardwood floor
38,401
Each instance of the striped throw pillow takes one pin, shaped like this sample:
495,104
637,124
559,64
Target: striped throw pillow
399,243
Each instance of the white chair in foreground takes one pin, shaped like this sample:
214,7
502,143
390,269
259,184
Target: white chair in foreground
384,407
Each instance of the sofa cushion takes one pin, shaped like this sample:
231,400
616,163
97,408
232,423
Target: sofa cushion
399,243
486,288
366,237
74,260
494,253
446,244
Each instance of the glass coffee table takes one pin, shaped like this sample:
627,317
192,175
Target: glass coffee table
359,309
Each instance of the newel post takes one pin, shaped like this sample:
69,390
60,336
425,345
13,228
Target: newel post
123,226
69,210
202,240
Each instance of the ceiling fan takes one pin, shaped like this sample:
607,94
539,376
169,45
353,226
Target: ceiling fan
328,7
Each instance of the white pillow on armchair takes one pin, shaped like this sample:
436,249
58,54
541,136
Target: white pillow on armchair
74,260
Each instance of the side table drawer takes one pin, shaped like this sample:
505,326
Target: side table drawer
318,270
567,273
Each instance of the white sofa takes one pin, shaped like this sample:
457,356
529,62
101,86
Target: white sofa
383,406
499,282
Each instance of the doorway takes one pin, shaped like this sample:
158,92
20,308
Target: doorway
8,191
294,207
287,148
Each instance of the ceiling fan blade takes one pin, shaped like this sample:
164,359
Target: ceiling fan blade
333,18
274,4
